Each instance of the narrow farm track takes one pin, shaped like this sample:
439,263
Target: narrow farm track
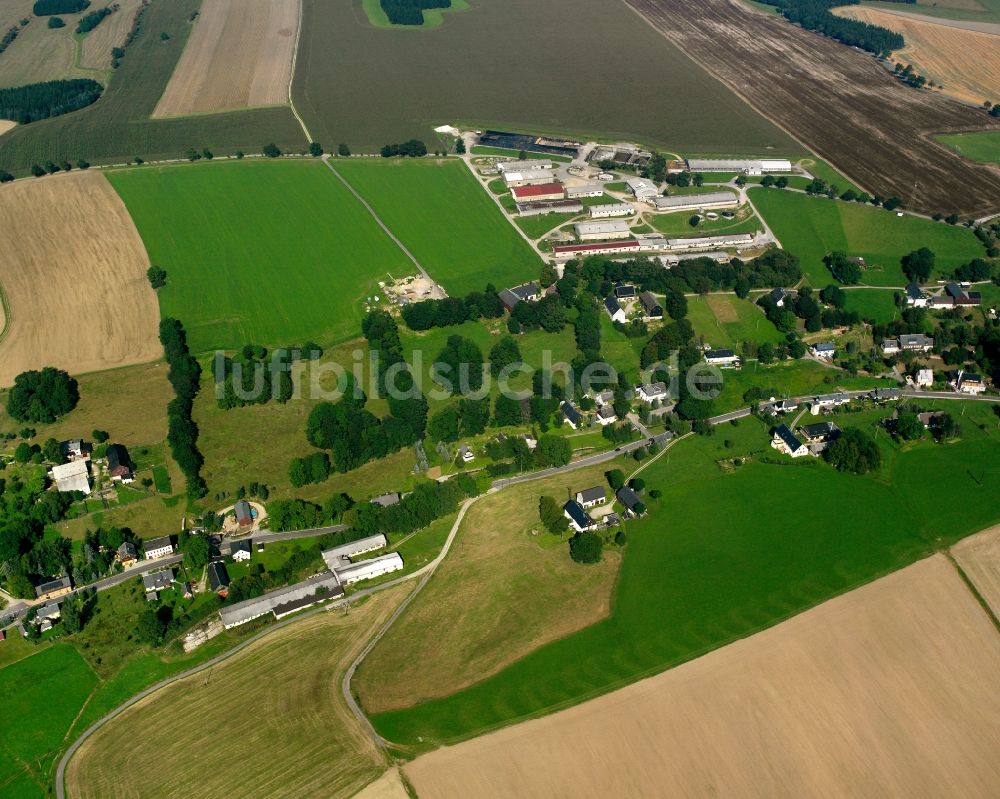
839,101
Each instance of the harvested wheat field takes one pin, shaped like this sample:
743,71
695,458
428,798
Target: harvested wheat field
270,721
979,557
892,690
838,101
239,55
95,49
74,276
965,63
7,124
388,786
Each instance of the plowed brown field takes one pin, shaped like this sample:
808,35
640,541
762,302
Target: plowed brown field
892,690
965,63
74,273
239,56
838,101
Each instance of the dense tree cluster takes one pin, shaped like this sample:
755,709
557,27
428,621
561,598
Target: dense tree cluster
464,419
512,454
410,12
975,270
918,265
25,104
551,515
815,15
90,21
453,310
414,148
99,550
313,468
549,314
427,502
42,396
182,432
253,378
459,366
44,8
586,547
854,451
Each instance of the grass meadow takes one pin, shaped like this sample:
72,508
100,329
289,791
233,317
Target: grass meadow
724,320
782,541
812,227
117,127
983,146
876,305
274,253
441,214
463,72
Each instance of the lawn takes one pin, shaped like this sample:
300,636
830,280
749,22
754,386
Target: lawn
288,678
724,320
442,215
691,582
679,224
537,226
822,170
274,253
42,694
462,73
983,146
812,227
117,127
876,305
619,350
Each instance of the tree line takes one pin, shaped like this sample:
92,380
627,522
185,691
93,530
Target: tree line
815,15
90,21
44,8
52,98
453,310
182,433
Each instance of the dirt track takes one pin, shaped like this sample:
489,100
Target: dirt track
892,690
74,273
839,101
239,56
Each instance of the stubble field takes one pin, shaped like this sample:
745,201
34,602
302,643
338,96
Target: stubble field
965,63
576,67
891,690
74,275
979,557
238,56
838,101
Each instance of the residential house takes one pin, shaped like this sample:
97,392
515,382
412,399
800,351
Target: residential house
968,383
47,614
722,358
625,291
157,548
241,550
157,581
530,441
827,401
526,292
72,476
823,349
570,414
886,394
603,398
591,497
650,306
614,310
779,295
58,586
930,419
915,296
781,406
890,346
606,415
916,342
925,378
466,454
243,513
818,436
218,578
119,464
578,518
75,449
127,554
784,440
650,392
633,505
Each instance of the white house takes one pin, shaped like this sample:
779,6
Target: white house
606,415
968,383
915,296
240,550
570,414
651,391
925,378
722,358
825,401
916,342
466,454
824,349
784,440
72,476
890,346
578,518
157,548
614,310
591,497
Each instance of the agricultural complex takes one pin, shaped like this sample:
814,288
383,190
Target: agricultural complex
499,398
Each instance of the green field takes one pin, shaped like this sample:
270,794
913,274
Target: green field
42,694
465,72
987,11
724,320
821,169
812,227
691,582
537,226
117,127
877,305
270,252
983,147
441,214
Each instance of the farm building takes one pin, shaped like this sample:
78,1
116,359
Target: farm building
685,202
642,189
586,190
60,586
368,569
614,310
526,292
784,440
650,305
722,358
218,578
538,192
610,210
75,448
746,166
577,516
549,207
718,256
288,608
339,556
602,231
157,548
570,414
119,464
709,242
651,392
528,143
72,476
242,612
564,251
527,177
591,497
955,295
519,166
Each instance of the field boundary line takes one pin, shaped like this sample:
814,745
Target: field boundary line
291,75
971,586
5,307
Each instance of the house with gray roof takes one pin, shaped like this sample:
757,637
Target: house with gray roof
784,440
591,497
578,518
633,504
